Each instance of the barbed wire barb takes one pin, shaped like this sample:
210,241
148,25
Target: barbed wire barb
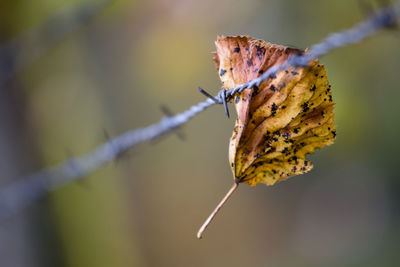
17,196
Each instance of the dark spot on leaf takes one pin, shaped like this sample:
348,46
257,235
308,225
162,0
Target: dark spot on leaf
305,107
255,89
277,133
274,107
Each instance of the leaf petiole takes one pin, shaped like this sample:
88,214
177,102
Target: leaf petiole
212,215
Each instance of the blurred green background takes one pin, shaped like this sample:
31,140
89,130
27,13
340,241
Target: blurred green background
116,70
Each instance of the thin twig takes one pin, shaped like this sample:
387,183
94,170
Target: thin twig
212,215
20,194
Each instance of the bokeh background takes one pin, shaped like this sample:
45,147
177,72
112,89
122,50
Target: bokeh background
72,69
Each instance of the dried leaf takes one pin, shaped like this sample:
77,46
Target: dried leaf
281,121
278,123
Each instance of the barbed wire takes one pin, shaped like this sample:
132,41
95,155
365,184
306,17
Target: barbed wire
17,196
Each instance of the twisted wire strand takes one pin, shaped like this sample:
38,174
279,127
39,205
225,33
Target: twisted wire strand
17,196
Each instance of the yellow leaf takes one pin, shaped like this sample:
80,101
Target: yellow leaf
282,120
278,123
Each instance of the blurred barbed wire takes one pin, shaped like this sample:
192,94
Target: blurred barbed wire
15,197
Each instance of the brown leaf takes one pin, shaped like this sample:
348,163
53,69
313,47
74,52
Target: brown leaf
278,123
281,121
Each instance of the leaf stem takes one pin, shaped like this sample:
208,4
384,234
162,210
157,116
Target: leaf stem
212,215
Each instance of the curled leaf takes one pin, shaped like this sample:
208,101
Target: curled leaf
279,122
287,117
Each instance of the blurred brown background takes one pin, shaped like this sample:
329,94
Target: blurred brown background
115,71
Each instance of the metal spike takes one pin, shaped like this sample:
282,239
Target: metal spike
225,104
167,112
208,95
